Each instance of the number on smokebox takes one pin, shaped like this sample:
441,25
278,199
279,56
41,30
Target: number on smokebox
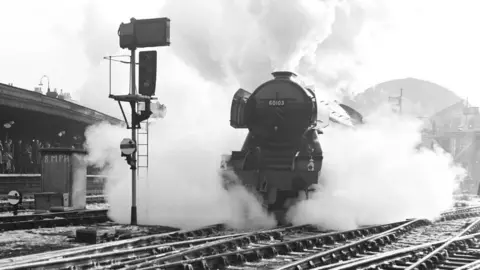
275,102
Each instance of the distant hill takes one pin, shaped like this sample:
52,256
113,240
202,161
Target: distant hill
420,98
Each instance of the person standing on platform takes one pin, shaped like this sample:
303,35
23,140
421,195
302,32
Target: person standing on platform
23,163
35,155
8,153
39,156
17,154
2,165
28,158
23,158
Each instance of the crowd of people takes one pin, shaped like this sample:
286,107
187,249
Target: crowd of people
21,156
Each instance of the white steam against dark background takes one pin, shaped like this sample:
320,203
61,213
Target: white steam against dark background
220,46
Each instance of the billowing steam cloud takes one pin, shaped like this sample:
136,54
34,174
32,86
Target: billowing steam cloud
224,46
183,188
219,46
375,174
246,40
232,43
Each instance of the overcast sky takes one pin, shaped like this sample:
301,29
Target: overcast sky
237,43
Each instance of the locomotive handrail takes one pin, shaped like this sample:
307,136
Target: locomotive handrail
295,160
249,152
245,158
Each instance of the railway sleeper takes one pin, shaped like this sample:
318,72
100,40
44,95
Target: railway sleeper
456,255
250,255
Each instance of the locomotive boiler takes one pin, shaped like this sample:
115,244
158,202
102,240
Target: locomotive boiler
281,156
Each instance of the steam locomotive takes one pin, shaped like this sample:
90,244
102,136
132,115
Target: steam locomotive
281,156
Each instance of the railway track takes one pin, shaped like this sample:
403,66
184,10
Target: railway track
30,203
443,245
86,253
295,247
24,222
258,249
459,212
367,246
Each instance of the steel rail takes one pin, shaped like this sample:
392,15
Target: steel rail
50,220
475,226
150,240
410,253
6,219
380,257
324,257
114,257
234,256
29,204
178,235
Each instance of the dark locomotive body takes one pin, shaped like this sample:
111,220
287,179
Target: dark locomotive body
281,155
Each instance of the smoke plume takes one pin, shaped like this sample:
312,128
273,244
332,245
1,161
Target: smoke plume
219,46
229,44
239,43
184,187
243,41
375,174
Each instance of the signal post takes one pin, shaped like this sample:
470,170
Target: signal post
140,34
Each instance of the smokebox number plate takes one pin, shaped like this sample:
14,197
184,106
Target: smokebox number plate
276,102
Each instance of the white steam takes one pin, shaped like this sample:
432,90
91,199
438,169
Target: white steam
219,46
247,40
374,174
183,187
240,42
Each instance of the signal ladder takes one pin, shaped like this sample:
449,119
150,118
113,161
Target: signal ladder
142,162
142,151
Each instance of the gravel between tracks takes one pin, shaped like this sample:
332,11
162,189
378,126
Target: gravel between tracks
25,242
149,233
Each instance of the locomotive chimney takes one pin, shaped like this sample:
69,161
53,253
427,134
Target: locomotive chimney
286,75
